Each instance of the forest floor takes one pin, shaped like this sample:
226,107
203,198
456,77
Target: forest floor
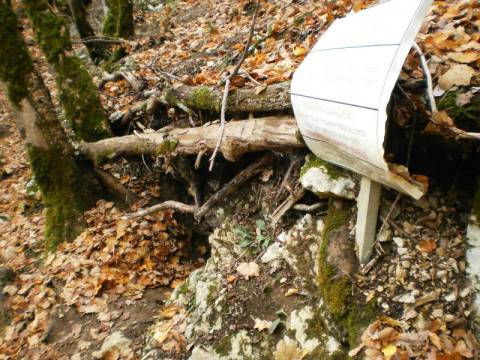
113,280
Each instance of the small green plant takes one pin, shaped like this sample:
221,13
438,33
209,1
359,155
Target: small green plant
262,239
245,237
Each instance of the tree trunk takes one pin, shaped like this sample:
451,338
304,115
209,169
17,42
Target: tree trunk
78,93
119,19
64,187
240,137
79,12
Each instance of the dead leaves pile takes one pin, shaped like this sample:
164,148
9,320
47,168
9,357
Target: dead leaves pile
204,39
386,339
115,257
112,258
452,40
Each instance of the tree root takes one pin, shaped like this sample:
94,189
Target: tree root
199,212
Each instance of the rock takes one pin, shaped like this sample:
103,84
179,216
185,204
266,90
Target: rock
473,267
273,252
199,353
399,241
324,179
114,346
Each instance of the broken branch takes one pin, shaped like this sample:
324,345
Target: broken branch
269,133
227,88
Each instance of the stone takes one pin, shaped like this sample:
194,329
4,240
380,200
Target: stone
115,345
320,182
273,252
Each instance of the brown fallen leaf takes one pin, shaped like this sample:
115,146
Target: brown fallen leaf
427,246
457,75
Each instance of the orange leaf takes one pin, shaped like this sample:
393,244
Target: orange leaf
426,246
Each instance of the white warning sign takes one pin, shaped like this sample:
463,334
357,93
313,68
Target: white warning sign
341,90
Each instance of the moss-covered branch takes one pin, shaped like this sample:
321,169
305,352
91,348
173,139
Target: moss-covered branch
274,98
15,62
78,93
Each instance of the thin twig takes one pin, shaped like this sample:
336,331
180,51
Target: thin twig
174,205
428,76
309,208
227,86
234,184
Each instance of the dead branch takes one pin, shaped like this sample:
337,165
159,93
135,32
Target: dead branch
269,133
116,188
173,205
227,87
233,185
287,205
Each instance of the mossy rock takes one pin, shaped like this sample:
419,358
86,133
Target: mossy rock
351,313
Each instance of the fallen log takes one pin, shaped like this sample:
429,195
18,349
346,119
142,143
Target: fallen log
270,133
274,97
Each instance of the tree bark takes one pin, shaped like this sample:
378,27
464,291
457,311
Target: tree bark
275,97
119,19
78,93
79,12
270,133
66,192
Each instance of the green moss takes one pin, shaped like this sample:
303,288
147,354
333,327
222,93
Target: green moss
167,147
109,25
78,94
15,62
119,20
224,346
51,30
64,194
333,171
336,289
80,100
358,318
204,99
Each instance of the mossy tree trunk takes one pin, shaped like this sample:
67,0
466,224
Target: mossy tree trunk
65,190
78,93
119,19
79,13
